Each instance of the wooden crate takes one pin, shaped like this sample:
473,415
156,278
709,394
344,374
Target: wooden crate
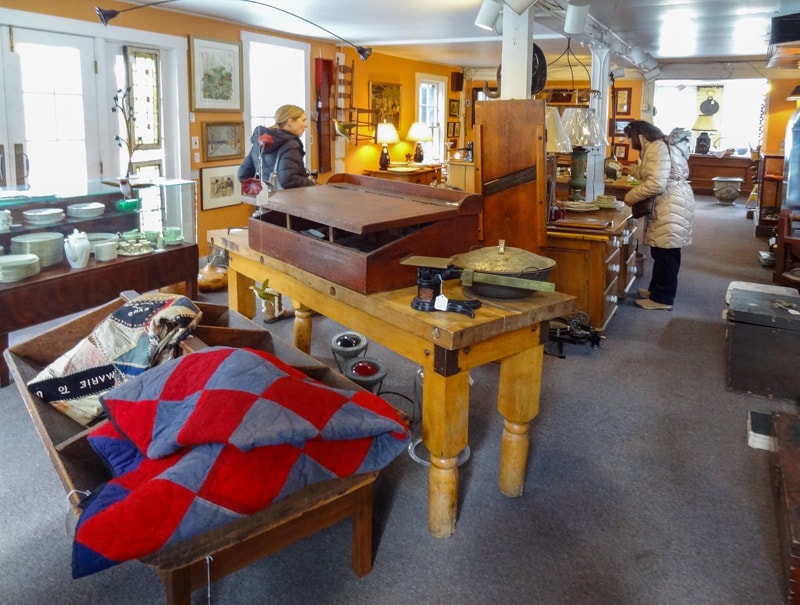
182,566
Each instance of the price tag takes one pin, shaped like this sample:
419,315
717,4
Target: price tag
440,303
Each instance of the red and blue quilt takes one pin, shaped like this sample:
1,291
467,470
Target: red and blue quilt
209,437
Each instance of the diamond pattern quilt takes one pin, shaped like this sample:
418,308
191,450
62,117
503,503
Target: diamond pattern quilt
207,438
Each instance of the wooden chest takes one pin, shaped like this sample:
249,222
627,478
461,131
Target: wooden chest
763,348
355,229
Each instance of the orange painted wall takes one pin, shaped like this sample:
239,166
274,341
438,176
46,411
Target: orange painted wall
379,68
778,112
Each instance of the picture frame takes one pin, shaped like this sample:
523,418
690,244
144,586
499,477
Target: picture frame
621,151
622,101
450,129
456,129
454,108
222,140
219,187
216,70
385,101
619,131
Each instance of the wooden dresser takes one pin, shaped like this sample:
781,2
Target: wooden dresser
703,169
597,265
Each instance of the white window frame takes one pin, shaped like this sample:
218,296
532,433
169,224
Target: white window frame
252,121
109,41
436,149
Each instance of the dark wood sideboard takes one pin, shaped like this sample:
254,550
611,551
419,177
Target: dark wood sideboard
703,169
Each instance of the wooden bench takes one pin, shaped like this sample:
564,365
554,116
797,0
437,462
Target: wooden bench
188,565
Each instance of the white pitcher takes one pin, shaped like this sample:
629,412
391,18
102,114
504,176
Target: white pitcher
77,249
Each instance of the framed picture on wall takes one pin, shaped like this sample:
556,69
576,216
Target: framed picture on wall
622,101
216,68
219,187
621,151
222,140
385,101
455,106
616,128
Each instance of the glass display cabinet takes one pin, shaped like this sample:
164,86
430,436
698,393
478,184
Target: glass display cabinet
158,204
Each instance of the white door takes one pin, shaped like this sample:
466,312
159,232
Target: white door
47,91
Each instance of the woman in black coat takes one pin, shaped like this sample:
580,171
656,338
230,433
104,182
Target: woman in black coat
280,142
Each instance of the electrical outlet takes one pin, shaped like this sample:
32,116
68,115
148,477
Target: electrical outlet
195,142
191,117
197,158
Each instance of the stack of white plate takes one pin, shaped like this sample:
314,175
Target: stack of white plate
47,245
88,210
43,216
14,267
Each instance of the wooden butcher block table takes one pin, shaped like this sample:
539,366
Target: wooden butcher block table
446,346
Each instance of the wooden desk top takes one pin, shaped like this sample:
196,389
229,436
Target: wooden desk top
605,222
448,330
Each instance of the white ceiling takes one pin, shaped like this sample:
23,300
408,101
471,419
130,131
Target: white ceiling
701,37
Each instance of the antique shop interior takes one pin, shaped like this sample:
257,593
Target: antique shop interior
427,377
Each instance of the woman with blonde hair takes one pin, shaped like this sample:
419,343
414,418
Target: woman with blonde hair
279,143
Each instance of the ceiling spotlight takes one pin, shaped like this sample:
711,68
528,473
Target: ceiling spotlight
576,16
487,15
651,74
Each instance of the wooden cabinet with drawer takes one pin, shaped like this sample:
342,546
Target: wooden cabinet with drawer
596,260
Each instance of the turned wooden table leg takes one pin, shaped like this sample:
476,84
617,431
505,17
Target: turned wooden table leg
442,496
302,327
514,445
518,402
445,412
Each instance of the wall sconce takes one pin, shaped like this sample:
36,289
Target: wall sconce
106,15
386,135
419,131
795,94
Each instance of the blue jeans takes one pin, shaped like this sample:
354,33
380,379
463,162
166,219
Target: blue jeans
664,282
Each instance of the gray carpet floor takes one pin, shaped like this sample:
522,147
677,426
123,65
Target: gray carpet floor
641,488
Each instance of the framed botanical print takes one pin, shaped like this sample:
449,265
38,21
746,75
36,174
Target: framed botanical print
622,101
216,75
385,101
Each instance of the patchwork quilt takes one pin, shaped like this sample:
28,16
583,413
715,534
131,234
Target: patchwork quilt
204,439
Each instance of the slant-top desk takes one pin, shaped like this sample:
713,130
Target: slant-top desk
445,345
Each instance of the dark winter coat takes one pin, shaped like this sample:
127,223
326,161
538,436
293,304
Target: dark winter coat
271,143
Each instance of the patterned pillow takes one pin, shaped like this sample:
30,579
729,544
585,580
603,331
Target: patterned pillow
140,334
